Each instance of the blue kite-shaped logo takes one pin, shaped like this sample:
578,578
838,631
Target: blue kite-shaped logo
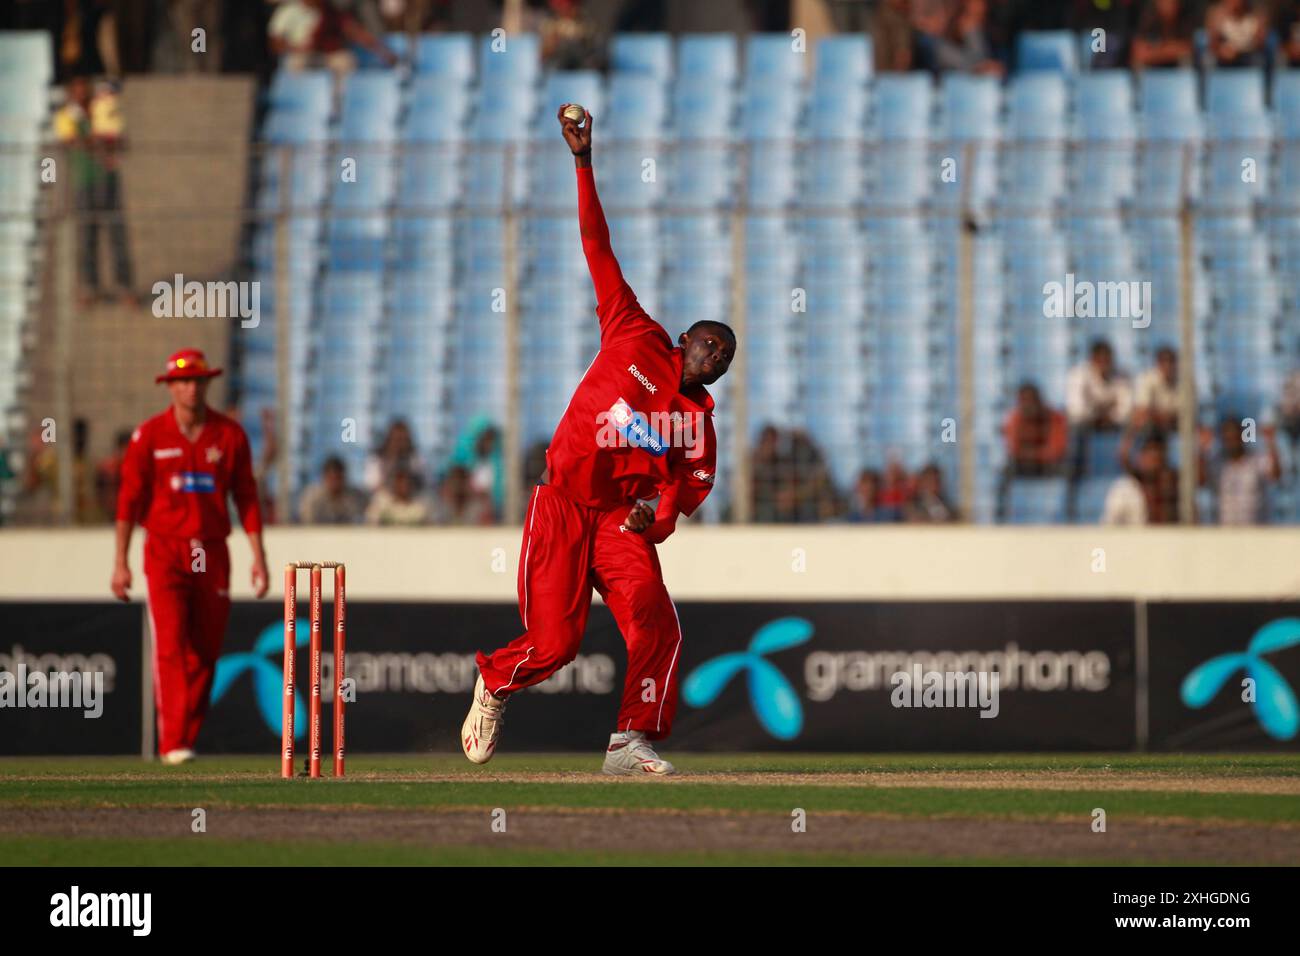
1275,702
268,676
775,702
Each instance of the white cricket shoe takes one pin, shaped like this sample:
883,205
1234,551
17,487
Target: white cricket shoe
482,727
630,754
176,757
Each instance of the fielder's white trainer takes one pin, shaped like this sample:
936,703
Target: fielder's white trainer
179,756
482,727
630,754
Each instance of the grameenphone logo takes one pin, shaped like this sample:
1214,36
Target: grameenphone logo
1275,702
265,661
775,703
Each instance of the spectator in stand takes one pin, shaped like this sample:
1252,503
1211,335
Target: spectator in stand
1116,18
331,500
400,503
1147,492
1036,435
1097,399
1155,402
108,475
929,504
864,502
309,34
1288,27
570,39
460,502
816,499
931,17
92,130
396,452
1239,476
478,451
1237,31
40,478
1097,396
896,489
892,42
1164,35
264,467
791,482
853,16
1289,413
966,45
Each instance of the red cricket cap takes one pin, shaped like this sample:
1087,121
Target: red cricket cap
187,363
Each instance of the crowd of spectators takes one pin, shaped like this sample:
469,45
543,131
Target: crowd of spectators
791,483
979,35
100,37
400,488
1237,461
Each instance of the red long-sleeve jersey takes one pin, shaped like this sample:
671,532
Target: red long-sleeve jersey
176,487
630,432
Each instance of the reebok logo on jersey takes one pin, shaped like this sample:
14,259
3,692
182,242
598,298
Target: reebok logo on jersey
636,374
703,475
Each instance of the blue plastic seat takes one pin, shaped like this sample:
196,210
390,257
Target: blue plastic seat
513,59
843,59
1168,93
1286,102
397,43
1036,501
27,54
903,106
371,102
446,55
1234,92
310,92
771,61
709,56
1054,50
648,53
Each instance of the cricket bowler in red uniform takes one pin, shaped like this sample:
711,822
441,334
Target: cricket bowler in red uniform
179,470
639,426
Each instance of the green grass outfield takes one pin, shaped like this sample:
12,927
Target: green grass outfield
445,782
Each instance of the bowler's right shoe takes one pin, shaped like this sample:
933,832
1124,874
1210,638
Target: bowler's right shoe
482,727
174,758
630,755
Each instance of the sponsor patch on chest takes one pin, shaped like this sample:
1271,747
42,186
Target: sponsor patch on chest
194,481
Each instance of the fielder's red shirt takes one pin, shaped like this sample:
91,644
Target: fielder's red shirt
174,486
630,432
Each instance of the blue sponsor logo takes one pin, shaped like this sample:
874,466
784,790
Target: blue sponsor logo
197,481
635,429
775,703
266,662
1275,702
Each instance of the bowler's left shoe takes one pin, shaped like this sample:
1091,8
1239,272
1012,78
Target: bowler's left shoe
630,755
174,758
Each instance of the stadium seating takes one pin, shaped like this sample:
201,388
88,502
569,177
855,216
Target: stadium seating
837,170
26,68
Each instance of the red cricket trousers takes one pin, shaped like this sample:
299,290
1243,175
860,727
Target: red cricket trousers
568,549
188,610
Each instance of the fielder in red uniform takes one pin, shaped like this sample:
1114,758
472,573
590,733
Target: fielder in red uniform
638,427
178,472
